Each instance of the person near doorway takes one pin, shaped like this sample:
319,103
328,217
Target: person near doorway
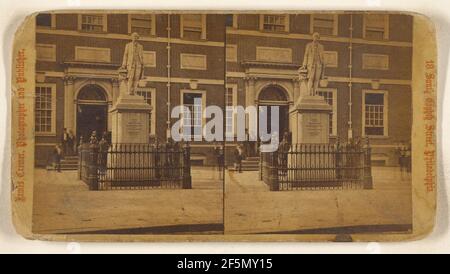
64,141
283,150
80,144
70,143
57,155
93,139
238,156
103,147
248,145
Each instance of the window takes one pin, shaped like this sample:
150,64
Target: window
143,24
330,97
376,26
231,20
375,113
193,26
275,23
92,22
45,109
230,101
193,121
325,24
45,20
149,95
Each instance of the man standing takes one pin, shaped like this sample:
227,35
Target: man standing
65,142
133,63
313,61
238,156
57,155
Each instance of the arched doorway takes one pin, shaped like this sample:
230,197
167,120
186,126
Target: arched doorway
274,95
92,111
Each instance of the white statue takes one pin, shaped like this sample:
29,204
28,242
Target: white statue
313,62
133,63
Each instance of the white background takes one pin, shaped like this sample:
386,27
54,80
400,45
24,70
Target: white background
12,12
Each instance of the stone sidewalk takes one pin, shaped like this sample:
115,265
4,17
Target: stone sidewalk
63,204
251,208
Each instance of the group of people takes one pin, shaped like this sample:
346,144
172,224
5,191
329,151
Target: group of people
69,146
66,147
248,149
404,158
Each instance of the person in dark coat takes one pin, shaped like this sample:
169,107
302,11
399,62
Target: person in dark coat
218,152
64,141
103,147
93,139
70,143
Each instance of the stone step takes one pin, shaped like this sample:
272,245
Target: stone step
253,158
244,169
250,165
250,162
70,156
69,161
63,168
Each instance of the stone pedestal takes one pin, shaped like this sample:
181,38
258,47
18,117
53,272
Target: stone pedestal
130,125
309,119
130,120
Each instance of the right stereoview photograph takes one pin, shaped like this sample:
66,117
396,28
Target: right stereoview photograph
326,143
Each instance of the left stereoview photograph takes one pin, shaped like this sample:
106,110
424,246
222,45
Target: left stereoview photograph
106,86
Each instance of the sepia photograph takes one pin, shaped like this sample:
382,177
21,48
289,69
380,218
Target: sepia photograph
242,126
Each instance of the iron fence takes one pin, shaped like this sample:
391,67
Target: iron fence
318,166
135,166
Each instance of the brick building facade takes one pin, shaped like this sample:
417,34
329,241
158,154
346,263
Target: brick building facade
369,70
369,59
77,60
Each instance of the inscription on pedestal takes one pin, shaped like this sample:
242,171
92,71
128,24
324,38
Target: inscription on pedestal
134,126
313,126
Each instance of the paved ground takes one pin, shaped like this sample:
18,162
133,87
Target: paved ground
63,204
251,208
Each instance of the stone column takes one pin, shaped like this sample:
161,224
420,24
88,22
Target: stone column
115,90
69,103
250,101
110,104
251,91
